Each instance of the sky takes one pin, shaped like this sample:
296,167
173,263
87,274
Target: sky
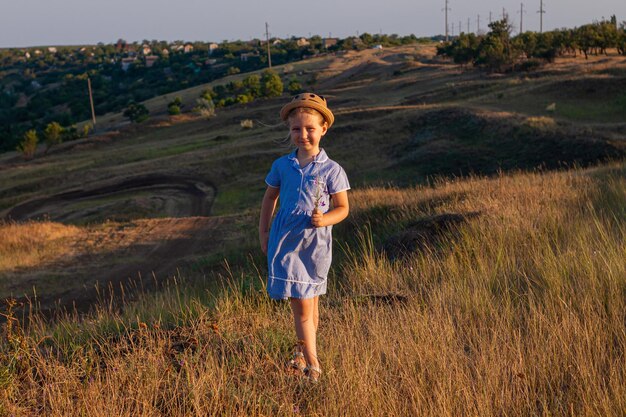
74,22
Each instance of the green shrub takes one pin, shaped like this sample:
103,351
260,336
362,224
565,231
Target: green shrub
52,135
28,145
271,84
136,112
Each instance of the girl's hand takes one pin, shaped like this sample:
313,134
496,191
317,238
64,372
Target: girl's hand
263,238
317,218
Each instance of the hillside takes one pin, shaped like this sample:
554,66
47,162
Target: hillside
481,271
403,116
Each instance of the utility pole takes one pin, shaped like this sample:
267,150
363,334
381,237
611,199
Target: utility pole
503,13
468,25
521,18
267,37
447,9
478,24
460,27
93,112
541,13
489,16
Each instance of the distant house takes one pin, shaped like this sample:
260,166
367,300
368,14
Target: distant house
247,55
150,60
126,63
188,48
165,52
37,52
277,42
302,42
52,50
212,47
27,55
328,42
379,46
146,50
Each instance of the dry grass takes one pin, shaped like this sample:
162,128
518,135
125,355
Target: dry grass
520,311
31,243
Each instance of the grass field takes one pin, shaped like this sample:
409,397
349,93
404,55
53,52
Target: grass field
481,271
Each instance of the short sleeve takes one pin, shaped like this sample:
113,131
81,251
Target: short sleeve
273,178
337,181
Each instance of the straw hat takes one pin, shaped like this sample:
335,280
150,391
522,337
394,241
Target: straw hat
309,100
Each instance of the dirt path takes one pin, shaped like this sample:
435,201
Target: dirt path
155,194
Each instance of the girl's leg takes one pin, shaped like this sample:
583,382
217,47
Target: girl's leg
316,313
303,310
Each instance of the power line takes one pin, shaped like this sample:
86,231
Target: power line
267,37
447,9
521,17
541,13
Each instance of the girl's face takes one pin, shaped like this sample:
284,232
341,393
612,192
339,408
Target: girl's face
306,131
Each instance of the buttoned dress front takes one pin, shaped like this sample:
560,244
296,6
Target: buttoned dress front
298,253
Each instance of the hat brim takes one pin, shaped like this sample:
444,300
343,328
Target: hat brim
326,113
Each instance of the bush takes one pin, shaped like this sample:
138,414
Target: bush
271,84
233,71
87,129
253,84
28,145
294,86
52,135
174,107
136,112
204,107
244,98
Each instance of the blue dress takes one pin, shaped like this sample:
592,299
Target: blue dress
298,253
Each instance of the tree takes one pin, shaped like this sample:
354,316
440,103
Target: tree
52,135
136,112
294,86
28,145
527,43
496,50
174,107
621,39
271,84
463,50
253,85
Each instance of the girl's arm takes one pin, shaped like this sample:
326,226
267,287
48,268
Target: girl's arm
340,211
267,210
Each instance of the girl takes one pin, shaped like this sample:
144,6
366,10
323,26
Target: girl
299,243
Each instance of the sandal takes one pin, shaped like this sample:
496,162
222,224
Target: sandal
313,373
297,363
